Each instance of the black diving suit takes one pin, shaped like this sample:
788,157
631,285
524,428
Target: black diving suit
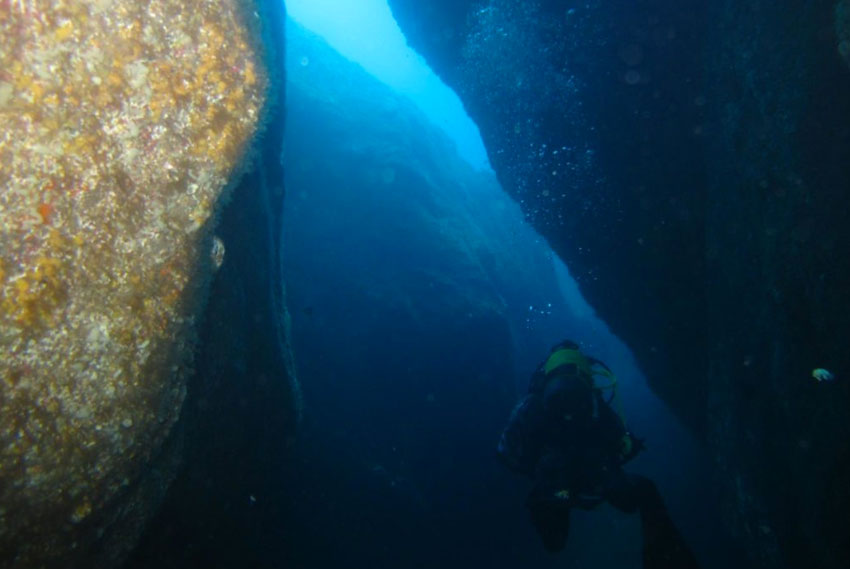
565,435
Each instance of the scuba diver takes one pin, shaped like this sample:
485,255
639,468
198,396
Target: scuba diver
565,435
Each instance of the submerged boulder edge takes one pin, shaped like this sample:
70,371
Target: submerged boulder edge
122,127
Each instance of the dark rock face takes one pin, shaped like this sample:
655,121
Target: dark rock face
225,506
842,29
777,175
121,127
601,158
690,166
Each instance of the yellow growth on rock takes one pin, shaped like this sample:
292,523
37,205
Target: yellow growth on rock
120,124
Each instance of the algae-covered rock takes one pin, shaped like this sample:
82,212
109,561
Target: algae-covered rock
120,124
842,29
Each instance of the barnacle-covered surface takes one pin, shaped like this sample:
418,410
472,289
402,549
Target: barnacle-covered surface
120,124
842,28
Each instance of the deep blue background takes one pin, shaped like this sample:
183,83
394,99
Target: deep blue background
421,302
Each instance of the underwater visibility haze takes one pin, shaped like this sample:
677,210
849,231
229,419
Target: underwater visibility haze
457,283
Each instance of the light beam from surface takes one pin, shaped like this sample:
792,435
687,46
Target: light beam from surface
365,32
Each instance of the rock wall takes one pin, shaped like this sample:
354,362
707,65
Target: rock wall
689,164
842,29
121,127
602,158
776,172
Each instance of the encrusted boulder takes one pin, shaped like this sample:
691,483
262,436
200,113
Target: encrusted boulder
120,126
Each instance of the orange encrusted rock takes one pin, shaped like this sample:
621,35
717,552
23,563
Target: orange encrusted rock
120,125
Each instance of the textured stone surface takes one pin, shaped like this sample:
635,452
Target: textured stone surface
776,181
121,124
842,29
601,157
243,404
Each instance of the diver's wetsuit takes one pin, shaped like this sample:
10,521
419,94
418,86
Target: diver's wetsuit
569,440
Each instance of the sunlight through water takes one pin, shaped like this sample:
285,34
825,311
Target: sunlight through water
365,32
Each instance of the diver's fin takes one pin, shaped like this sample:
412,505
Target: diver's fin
663,545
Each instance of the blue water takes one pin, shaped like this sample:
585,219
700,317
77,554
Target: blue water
421,302
365,32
